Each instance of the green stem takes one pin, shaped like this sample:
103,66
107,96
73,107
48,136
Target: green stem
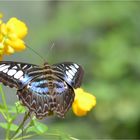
3,114
17,133
7,116
4,101
25,137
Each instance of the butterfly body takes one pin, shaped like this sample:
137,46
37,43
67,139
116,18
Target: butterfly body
43,90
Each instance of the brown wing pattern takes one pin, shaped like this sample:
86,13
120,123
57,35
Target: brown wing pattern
43,101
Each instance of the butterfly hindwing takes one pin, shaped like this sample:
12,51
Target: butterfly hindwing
72,73
13,74
43,102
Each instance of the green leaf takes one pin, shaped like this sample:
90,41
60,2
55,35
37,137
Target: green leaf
2,108
13,127
38,127
18,108
32,129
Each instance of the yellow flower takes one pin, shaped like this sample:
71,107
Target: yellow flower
12,34
83,102
17,27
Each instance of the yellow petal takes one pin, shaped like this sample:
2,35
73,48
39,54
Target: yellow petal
1,37
86,101
1,46
78,111
17,45
17,26
13,36
83,102
3,29
10,50
1,49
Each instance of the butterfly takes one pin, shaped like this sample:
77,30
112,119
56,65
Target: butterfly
44,90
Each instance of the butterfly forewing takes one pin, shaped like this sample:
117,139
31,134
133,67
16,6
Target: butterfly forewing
72,73
15,74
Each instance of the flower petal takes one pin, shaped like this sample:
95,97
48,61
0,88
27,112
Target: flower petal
9,50
17,45
18,27
11,35
83,102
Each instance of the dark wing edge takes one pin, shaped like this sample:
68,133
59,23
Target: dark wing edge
12,73
71,72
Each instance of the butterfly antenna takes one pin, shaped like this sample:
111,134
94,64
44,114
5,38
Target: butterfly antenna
50,49
36,53
52,46
49,52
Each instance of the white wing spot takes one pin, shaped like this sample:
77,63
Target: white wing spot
24,66
76,66
15,67
73,69
5,71
67,68
11,72
21,78
69,75
4,67
19,65
18,74
72,72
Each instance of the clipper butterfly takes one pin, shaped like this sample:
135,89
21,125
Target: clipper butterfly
46,89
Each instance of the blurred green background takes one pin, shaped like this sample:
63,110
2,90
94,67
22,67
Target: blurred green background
104,37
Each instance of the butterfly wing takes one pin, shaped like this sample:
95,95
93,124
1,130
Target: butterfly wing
33,83
72,73
44,101
16,74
